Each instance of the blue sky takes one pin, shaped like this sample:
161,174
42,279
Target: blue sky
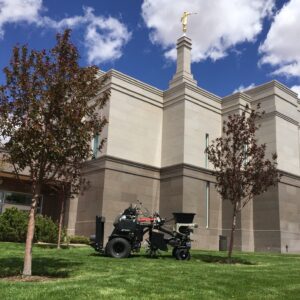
236,43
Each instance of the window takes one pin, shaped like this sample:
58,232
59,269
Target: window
206,145
19,200
207,196
245,153
1,201
95,145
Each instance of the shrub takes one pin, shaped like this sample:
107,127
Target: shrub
7,233
45,230
78,239
13,227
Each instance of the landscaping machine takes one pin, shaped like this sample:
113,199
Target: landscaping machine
134,223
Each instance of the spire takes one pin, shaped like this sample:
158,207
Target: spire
183,71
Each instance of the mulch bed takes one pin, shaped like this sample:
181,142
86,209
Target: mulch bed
20,278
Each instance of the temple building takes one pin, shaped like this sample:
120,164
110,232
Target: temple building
154,153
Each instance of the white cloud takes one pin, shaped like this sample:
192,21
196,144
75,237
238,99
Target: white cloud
13,11
107,45
218,26
104,37
296,89
242,88
281,49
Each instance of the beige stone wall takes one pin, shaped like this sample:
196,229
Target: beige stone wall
266,221
135,121
171,194
206,236
114,185
287,146
289,203
247,233
227,212
189,114
173,135
124,188
281,136
200,119
266,134
183,189
89,202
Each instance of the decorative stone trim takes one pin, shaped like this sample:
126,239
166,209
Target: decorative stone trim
185,85
133,81
290,179
272,84
107,162
237,96
204,93
282,116
135,95
99,163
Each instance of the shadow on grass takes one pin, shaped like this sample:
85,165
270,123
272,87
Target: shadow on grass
51,246
44,266
203,257
96,254
221,259
207,258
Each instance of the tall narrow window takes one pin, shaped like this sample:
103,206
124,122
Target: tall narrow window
207,196
95,145
245,153
1,201
206,145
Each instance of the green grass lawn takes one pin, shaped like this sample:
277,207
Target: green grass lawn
82,274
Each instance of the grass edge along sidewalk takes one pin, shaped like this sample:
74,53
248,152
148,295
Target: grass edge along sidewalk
80,273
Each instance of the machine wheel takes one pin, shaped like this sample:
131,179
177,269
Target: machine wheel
118,248
182,254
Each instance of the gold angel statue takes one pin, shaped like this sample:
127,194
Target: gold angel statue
184,20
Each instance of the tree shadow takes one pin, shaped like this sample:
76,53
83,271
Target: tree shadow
51,246
207,258
221,259
43,266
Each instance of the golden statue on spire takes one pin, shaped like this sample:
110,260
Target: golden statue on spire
184,20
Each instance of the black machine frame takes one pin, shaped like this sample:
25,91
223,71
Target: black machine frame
134,223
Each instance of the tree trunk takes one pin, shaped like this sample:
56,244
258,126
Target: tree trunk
232,231
61,217
27,270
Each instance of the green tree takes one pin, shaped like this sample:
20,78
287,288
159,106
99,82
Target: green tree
49,112
241,168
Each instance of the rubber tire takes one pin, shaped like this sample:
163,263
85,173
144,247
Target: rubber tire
118,248
182,254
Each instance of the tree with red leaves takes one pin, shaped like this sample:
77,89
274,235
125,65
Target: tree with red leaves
241,168
49,112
